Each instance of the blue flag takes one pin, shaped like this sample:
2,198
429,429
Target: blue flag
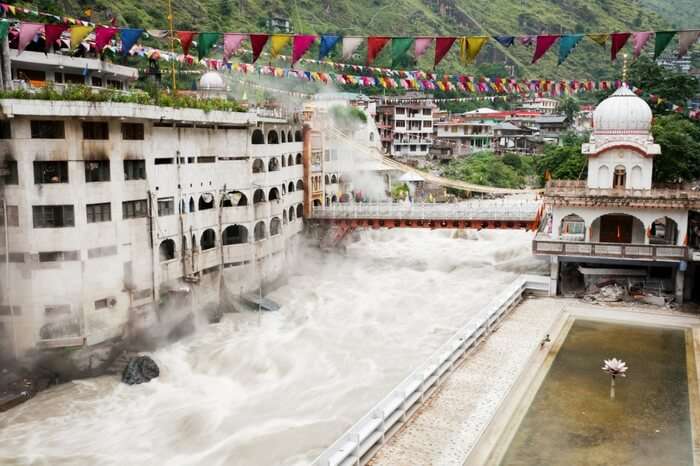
327,44
567,43
505,41
129,38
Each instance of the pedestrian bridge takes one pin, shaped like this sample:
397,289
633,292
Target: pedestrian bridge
507,213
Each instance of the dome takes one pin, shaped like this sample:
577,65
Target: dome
622,111
212,81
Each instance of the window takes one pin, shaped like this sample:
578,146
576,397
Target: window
134,170
59,256
96,81
164,160
95,130
104,251
5,129
427,112
70,78
167,250
50,172
6,310
427,124
166,206
96,170
620,177
99,212
134,209
102,303
206,159
53,216
114,84
57,310
400,124
400,111
48,129
10,172
12,216
132,131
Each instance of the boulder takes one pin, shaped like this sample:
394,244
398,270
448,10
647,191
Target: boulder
140,369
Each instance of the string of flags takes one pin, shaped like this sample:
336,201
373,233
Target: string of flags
400,48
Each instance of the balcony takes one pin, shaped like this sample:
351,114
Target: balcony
544,245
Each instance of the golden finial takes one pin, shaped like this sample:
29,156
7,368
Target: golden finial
624,69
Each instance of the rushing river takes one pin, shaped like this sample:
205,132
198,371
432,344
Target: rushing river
277,388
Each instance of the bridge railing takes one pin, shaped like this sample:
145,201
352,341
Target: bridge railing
520,210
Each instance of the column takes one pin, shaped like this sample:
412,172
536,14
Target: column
553,275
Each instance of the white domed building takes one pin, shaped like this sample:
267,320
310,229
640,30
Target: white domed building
616,224
212,85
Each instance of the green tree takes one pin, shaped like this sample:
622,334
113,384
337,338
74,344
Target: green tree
564,162
487,169
679,139
569,106
671,86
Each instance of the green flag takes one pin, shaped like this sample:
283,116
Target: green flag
399,48
4,29
661,41
205,42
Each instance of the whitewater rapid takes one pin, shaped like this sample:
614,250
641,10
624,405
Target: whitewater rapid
277,388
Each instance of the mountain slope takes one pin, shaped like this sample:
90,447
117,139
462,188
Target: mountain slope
679,13
410,17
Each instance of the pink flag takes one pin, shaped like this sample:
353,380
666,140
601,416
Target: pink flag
543,44
639,40
103,34
300,45
421,45
27,32
231,43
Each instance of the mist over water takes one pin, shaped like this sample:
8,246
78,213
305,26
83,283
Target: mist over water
277,388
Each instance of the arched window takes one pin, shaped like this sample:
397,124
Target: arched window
258,196
617,228
208,239
284,189
273,165
300,185
299,161
275,226
334,179
234,199
258,166
291,214
300,211
297,136
603,177
191,204
572,228
290,187
636,181
194,243
290,137
290,160
327,179
620,178
259,232
663,230
272,137
284,161
235,234
284,217
274,194
334,199
184,243
167,250
283,136
258,137
206,201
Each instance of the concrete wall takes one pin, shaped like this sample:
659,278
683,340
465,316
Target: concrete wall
638,168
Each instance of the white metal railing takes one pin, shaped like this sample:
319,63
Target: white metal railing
519,210
380,422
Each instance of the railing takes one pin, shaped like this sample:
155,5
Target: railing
521,210
546,246
579,188
357,445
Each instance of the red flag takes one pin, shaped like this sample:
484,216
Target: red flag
300,45
374,46
619,39
442,46
186,38
103,35
53,33
258,41
543,44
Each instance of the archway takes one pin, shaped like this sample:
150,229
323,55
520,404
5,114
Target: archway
206,201
272,137
636,178
284,161
300,211
603,176
235,234
258,166
283,136
334,199
617,228
273,165
259,231
284,217
274,194
258,137
317,203
572,228
275,226
191,204
258,196
290,160
208,240
299,161
297,136
327,179
334,179
663,230
234,198
291,214
167,250
290,187
300,185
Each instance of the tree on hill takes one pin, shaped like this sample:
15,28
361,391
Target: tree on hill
680,149
569,106
674,87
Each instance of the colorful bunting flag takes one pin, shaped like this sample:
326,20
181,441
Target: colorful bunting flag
103,35
527,41
52,32
421,46
618,39
599,39
157,33
129,37
350,44
277,43
686,39
4,29
442,46
375,45
300,45
399,48
544,42
27,32
231,44
639,40
205,42
186,38
257,42
327,45
567,43
77,34
469,48
661,41
506,41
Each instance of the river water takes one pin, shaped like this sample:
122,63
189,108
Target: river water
277,388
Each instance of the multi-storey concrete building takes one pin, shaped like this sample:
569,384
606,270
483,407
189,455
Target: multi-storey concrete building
115,214
405,128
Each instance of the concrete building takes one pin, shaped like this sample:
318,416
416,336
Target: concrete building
544,105
117,215
617,219
406,129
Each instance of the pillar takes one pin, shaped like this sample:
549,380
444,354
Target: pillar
680,281
553,275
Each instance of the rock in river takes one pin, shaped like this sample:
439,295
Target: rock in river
140,369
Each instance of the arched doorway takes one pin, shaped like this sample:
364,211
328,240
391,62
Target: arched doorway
258,137
275,226
259,231
208,240
258,196
167,250
617,228
663,230
572,228
235,234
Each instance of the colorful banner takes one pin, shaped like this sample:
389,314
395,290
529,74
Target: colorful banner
567,44
300,46
399,49
327,45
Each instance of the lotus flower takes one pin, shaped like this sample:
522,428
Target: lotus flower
614,367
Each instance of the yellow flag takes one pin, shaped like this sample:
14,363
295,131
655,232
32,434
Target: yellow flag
88,12
469,48
278,43
77,34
